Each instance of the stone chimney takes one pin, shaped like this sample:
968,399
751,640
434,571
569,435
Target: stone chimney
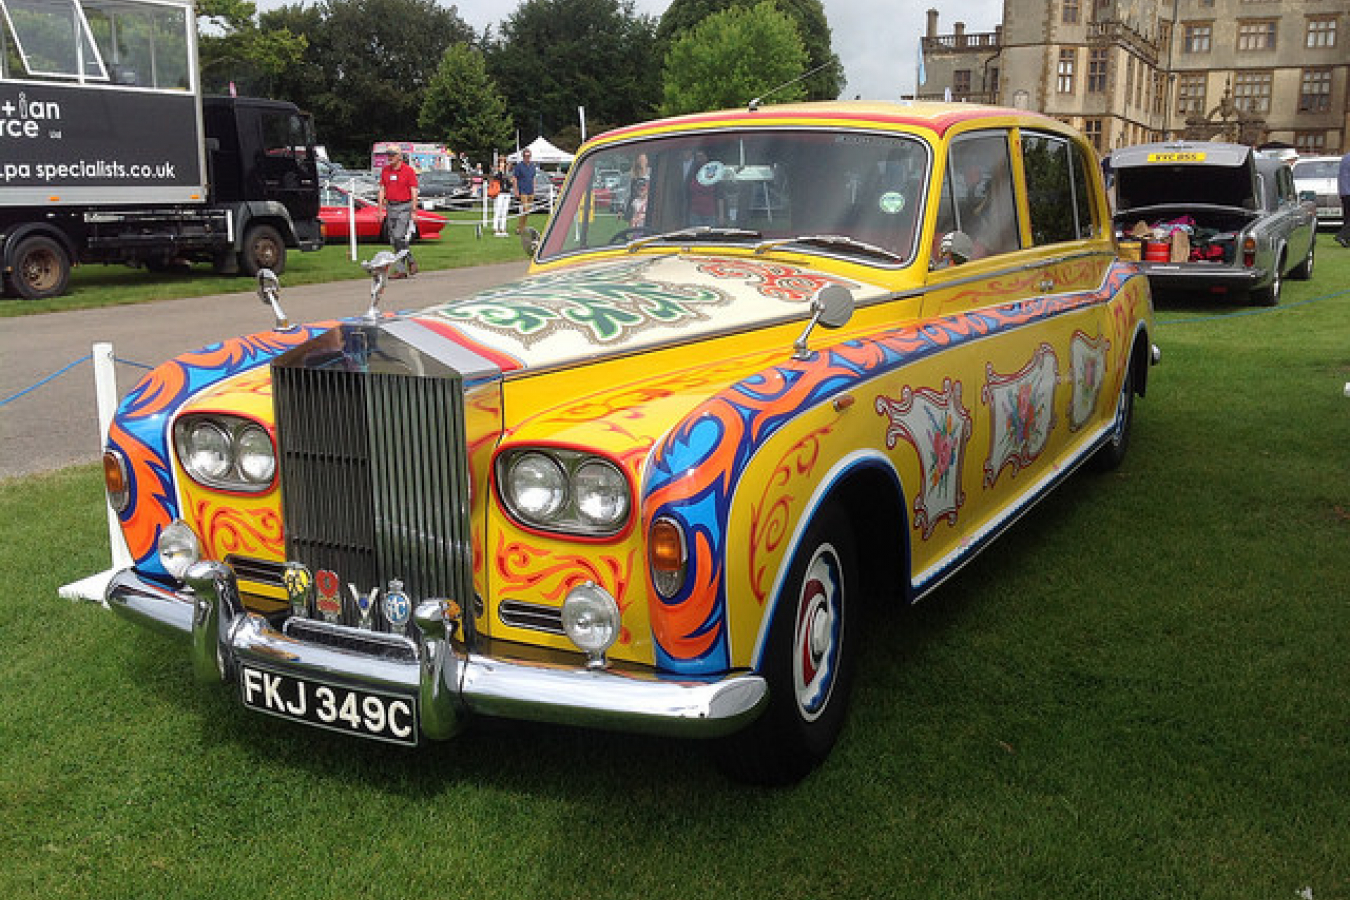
932,23
960,32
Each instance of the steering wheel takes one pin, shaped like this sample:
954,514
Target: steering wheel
629,234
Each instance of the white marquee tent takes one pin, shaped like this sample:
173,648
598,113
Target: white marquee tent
545,154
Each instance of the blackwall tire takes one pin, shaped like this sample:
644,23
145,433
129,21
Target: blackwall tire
41,268
263,249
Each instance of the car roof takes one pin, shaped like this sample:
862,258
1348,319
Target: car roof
935,117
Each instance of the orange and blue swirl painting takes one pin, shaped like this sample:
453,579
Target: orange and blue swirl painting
140,429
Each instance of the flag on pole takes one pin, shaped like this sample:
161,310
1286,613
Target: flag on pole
923,75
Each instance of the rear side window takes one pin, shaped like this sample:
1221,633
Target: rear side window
1057,192
977,194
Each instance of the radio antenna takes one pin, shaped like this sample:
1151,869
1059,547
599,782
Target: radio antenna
754,104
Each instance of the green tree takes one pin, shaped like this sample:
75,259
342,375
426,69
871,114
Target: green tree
232,49
463,107
367,66
812,27
553,56
732,57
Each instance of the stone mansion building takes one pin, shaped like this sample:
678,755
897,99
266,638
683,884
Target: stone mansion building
1131,71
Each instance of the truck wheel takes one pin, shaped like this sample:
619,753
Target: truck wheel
41,268
808,661
263,249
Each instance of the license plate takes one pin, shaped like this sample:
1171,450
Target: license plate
364,713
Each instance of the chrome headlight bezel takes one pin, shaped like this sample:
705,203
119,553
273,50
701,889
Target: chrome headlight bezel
594,497
247,452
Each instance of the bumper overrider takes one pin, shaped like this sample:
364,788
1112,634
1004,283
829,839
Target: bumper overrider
421,686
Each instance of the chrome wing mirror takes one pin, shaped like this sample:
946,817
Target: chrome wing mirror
832,306
269,292
955,248
378,267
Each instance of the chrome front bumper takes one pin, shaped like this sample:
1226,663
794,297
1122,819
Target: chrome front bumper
448,680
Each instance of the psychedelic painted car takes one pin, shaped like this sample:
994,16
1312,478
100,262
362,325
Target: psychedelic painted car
824,354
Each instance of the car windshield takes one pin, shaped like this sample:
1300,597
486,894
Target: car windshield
860,192
1316,168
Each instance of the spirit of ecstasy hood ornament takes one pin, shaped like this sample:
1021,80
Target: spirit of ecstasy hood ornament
379,277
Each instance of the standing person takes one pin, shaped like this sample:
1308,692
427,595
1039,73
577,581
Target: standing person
1343,188
524,173
499,188
398,199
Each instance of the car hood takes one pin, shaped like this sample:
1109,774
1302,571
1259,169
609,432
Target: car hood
579,313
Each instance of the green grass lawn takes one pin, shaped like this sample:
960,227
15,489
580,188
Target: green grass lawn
1142,691
462,243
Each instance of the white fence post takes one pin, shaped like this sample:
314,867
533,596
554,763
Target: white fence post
105,398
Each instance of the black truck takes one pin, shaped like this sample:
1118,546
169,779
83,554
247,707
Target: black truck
109,153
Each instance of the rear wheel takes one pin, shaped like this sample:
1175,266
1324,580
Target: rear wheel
1304,270
263,249
808,661
41,268
1112,453
1270,294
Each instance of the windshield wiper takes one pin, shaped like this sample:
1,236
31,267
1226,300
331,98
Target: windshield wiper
702,232
829,240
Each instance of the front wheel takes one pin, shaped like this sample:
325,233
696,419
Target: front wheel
263,249
808,661
41,268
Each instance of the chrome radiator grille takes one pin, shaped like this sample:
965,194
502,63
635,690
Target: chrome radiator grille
374,478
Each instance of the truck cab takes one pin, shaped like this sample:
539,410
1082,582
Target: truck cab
112,155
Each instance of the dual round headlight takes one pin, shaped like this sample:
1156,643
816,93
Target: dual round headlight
564,490
226,452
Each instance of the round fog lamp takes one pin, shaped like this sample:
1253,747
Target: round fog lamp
178,549
590,617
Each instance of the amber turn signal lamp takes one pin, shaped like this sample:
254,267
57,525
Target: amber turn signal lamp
116,481
667,555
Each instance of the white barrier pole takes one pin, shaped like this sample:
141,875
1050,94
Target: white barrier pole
351,218
105,399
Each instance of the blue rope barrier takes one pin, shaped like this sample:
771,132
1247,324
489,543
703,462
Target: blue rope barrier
63,370
1256,312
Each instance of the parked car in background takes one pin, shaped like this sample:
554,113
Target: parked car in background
653,484
336,219
443,190
1316,176
1212,218
361,182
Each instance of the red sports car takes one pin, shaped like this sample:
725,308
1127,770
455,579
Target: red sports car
369,219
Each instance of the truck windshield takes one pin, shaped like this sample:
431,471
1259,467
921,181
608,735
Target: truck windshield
124,42
858,190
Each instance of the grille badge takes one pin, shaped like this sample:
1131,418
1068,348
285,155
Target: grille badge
365,604
329,602
397,606
299,585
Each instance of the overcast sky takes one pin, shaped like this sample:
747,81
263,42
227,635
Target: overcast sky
877,40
